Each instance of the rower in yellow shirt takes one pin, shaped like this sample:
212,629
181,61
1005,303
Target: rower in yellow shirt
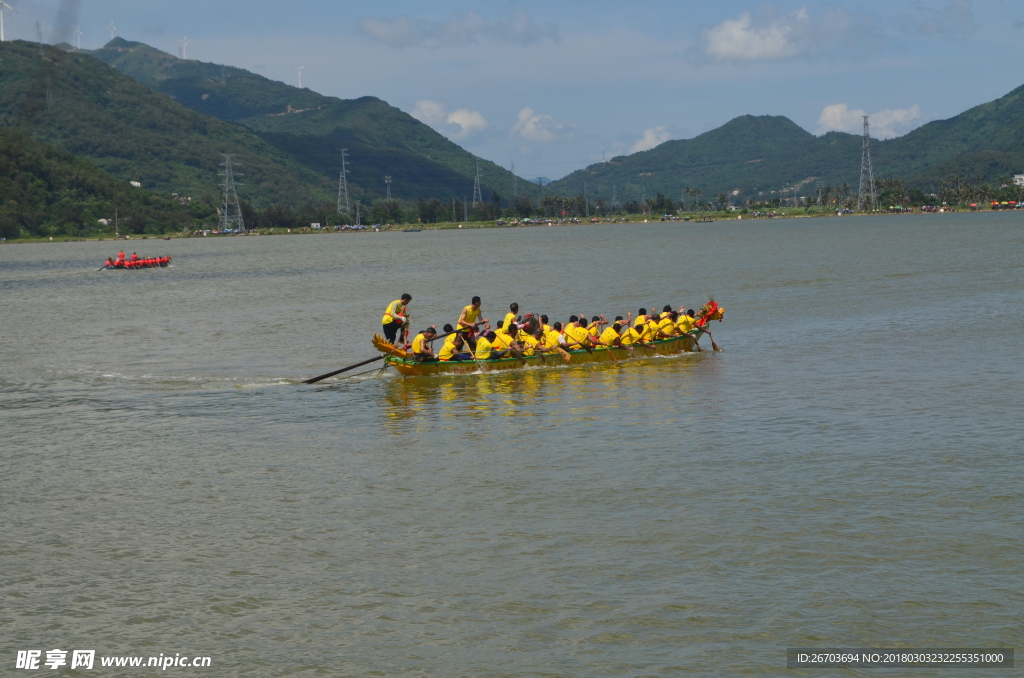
667,326
485,347
420,349
575,336
611,335
638,333
686,322
652,327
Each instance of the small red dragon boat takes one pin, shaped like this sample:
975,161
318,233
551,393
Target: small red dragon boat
133,264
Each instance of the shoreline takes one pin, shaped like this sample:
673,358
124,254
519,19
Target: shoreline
691,218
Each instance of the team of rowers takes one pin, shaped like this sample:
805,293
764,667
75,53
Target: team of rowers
135,261
518,336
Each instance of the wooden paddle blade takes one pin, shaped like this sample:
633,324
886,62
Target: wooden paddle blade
565,354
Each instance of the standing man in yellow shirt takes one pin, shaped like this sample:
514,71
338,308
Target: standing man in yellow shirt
510,317
468,319
396,317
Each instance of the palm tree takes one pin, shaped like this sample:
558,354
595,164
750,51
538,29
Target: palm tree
723,199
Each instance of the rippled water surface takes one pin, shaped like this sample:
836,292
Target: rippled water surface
847,472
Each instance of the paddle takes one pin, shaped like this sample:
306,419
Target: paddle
344,369
367,362
713,344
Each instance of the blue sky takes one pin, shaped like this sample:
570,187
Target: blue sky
551,86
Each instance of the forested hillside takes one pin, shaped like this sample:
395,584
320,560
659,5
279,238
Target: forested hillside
81,105
761,155
48,192
381,139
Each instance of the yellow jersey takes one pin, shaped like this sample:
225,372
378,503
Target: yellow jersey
685,323
419,344
396,307
575,334
483,348
529,344
633,336
502,340
448,350
472,315
667,326
609,336
652,330
509,318
551,338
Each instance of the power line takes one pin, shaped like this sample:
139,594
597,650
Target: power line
231,211
387,182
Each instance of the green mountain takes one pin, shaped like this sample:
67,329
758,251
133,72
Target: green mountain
48,192
768,154
79,104
313,129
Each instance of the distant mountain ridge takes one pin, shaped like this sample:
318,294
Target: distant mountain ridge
80,105
381,139
764,154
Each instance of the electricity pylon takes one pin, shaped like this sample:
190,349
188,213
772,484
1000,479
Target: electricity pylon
343,186
866,194
231,211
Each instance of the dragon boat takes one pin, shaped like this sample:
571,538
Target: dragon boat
408,365
142,262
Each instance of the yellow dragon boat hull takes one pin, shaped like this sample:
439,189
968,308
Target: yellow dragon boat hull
410,367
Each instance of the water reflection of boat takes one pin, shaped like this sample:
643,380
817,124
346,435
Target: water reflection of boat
410,367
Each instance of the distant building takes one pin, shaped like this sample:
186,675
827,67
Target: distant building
1018,179
136,184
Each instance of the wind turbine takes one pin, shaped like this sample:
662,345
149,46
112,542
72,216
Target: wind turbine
111,27
2,5
184,48
79,33
298,68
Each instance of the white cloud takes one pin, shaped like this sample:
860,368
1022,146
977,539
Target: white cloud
741,40
536,127
468,121
770,35
462,29
455,125
430,112
651,138
886,124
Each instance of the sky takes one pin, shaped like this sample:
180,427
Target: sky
555,86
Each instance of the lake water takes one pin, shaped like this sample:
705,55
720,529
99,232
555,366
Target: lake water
847,472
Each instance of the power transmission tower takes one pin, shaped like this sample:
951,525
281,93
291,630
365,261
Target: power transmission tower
515,184
465,209
387,181
343,185
615,200
358,205
586,202
231,211
867,174
477,195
